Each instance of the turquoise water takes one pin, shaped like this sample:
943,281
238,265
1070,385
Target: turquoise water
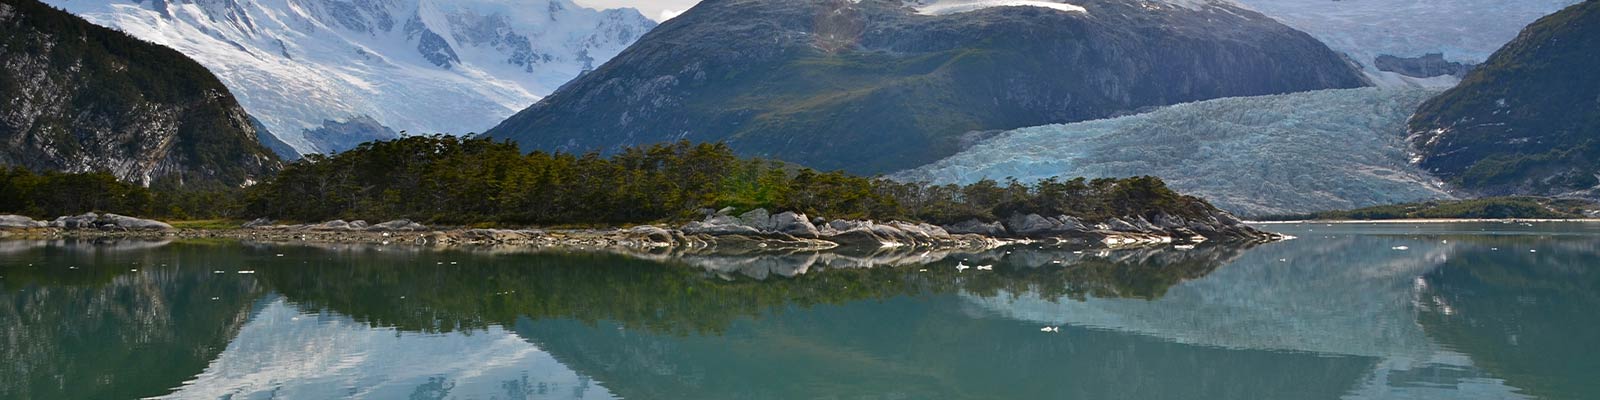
1464,311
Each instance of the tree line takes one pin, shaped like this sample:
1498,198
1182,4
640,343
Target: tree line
450,180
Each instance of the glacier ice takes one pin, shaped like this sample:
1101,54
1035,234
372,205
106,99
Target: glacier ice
424,66
1281,154
1463,30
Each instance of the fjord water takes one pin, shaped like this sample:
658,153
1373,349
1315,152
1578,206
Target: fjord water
1463,311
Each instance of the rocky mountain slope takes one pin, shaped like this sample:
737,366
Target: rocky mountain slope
1528,120
1460,31
876,86
1267,155
80,98
310,67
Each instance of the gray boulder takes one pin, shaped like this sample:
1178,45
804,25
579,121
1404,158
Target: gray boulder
649,233
19,222
719,225
399,225
861,236
1117,224
359,224
920,232
794,224
85,221
976,227
758,218
1036,225
118,222
334,225
840,225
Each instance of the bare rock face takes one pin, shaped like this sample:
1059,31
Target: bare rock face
976,227
1426,66
402,225
1036,225
81,98
720,225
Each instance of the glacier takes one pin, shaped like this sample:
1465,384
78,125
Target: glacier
1253,156
420,66
1466,31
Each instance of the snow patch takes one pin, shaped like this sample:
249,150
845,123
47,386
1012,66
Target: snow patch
957,7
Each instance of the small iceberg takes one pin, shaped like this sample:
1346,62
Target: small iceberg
1402,248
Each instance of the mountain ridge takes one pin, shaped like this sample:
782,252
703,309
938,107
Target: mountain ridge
874,86
1527,121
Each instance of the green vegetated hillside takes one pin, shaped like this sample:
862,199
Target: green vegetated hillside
1527,121
80,98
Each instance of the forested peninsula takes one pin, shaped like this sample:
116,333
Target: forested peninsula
486,191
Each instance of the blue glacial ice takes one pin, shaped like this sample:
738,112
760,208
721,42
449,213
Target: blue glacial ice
1254,156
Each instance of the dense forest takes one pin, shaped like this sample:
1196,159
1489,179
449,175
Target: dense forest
53,194
462,181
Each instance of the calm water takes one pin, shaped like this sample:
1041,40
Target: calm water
1466,311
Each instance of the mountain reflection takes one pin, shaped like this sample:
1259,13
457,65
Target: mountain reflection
1535,327
85,327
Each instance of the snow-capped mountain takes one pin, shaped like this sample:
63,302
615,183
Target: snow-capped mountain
1463,31
308,67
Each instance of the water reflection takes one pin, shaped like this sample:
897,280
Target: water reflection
76,323
1534,327
1461,312
286,353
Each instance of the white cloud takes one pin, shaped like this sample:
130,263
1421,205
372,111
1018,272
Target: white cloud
660,9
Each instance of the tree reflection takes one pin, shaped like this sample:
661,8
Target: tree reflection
454,291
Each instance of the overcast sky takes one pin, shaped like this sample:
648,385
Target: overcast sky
657,9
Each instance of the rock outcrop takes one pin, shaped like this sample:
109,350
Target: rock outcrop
108,222
19,222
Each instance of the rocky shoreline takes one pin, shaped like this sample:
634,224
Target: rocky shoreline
756,230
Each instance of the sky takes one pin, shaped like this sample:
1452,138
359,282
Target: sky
660,10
